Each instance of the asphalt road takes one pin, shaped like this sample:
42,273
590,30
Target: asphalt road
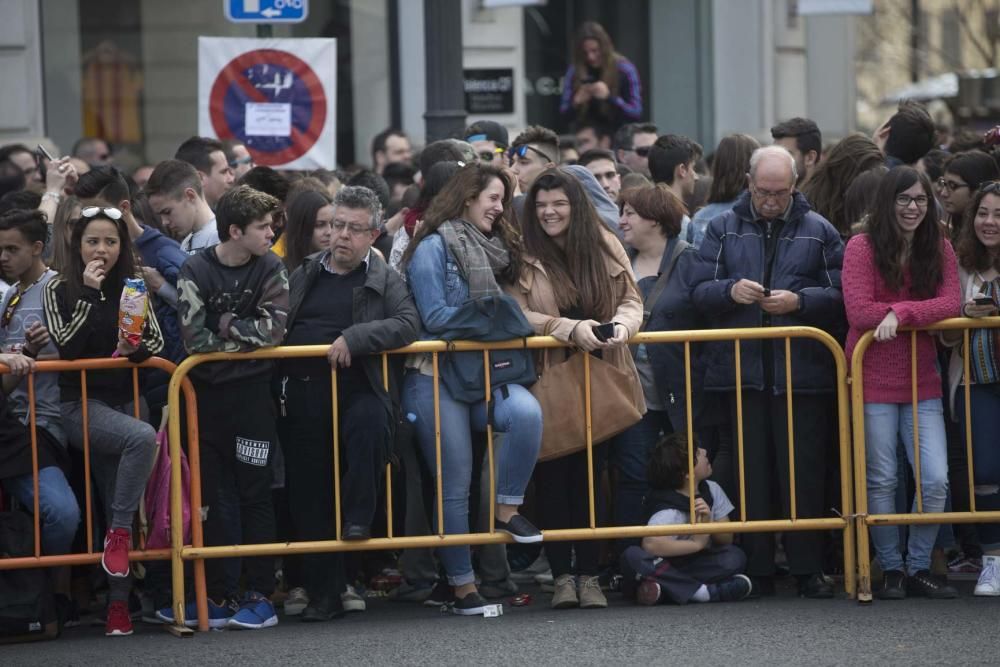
782,630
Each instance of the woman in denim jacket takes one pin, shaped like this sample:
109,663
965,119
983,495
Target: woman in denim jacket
465,249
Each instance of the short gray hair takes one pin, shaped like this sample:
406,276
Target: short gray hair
772,151
358,196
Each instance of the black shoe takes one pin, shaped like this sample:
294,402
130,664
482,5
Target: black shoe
893,586
473,604
355,531
731,590
933,586
441,594
519,528
761,587
815,587
324,609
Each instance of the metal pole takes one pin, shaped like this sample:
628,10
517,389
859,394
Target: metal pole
445,116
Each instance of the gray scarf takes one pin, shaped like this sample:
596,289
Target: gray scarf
478,257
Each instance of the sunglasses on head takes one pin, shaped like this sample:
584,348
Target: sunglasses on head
109,212
991,188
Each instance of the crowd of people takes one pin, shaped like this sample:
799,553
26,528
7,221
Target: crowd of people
484,238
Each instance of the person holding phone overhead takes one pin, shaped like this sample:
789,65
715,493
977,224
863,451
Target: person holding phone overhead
577,285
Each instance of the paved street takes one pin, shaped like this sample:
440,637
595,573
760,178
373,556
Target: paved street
783,630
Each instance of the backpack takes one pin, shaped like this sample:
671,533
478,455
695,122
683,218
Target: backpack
156,503
27,606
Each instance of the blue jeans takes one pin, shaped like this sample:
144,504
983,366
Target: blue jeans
56,503
985,402
884,423
629,453
516,413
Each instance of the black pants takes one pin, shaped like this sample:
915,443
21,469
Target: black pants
307,441
237,437
680,578
561,494
765,456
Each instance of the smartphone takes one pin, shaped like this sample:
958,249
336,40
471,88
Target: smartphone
983,300
767,291
40,149
605,332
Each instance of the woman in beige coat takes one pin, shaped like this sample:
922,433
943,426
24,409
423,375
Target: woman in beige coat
576,277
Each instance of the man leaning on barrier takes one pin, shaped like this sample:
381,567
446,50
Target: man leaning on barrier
346,294
772,261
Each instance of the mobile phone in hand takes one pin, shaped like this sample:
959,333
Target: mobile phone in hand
40,149
767,291
983,300
605,332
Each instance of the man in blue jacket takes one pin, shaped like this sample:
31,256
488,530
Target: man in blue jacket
772,261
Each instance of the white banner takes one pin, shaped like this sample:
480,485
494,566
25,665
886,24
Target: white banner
277,96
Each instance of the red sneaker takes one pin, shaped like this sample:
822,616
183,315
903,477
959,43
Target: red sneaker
115,557
118,624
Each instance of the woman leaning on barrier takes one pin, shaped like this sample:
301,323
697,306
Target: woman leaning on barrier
458,259
81,306
978,249
902,273
575,278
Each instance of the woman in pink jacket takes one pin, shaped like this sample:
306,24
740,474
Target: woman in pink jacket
901,272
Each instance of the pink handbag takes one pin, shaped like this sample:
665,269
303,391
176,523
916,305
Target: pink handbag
158,496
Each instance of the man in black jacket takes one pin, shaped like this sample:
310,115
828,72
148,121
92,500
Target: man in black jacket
346,294
772,261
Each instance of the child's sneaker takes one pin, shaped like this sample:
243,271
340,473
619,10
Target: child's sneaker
256,612
351,600
989,578
119,623
115,557
296,601
218,614
648,592
731,590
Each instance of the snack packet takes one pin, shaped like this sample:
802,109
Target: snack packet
132,310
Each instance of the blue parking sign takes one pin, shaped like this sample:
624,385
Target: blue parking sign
266,11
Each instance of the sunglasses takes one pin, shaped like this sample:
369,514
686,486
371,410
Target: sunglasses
488,156
241,161
110,212
522,151
641,151
8,312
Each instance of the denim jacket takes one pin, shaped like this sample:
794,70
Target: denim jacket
438,287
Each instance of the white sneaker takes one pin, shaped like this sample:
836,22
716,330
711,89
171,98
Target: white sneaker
296,601
989,577
351,600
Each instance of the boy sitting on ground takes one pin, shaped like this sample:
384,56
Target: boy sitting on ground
684,568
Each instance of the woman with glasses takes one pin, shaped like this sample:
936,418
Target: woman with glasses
978,250
601,86
902,273
464,250
81,307
963,173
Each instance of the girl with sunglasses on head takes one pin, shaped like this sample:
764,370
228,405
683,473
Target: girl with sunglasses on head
901,272
978,249
81,307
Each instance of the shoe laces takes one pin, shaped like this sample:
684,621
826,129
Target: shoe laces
590,582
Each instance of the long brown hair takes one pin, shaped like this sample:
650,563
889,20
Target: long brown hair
730,167
825,189
925,258
972,254
608,70
578,274
450,203
125,266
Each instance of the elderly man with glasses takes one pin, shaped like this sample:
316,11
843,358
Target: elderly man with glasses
772,261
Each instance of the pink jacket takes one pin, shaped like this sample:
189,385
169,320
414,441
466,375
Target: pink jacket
867,300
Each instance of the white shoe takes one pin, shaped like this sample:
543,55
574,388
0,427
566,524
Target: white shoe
352,601
296,601
989,577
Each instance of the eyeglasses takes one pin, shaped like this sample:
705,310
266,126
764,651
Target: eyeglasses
768,194
950,186
241,161
353,230
904,201
641,151
522,151
110,212
487,156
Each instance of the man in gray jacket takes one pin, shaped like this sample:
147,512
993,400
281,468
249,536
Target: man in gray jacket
348,295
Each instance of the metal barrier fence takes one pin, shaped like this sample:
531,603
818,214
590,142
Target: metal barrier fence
860,473
197,552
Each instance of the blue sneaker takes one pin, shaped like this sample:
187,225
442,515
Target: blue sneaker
218,615
256,612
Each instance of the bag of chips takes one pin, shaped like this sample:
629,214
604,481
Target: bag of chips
132,310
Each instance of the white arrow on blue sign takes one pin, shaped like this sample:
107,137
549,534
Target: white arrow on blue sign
266,11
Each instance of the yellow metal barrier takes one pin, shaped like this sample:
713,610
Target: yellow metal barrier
198,551
860,473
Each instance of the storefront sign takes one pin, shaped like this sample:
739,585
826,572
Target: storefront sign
281,106
489,91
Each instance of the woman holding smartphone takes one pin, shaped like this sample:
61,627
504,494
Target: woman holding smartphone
577,285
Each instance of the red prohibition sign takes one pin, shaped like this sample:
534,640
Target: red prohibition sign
232,90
